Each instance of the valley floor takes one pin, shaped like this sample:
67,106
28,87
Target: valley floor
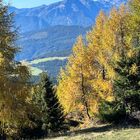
102,133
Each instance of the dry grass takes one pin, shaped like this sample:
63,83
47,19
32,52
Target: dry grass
102,133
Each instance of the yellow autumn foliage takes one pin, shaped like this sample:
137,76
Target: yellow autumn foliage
91,67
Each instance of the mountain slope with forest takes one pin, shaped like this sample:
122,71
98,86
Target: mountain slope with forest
51,42
52,29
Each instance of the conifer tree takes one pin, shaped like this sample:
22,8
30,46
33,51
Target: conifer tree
126,86
98,55
74,88
14,89
126,66
52,111
126,91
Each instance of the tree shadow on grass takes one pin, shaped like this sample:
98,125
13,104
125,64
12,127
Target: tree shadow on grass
94,129
84,131
99,129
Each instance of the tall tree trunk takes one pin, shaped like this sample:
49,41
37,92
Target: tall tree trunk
83,88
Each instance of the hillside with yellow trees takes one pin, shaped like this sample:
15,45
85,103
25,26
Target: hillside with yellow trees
100,83
105,66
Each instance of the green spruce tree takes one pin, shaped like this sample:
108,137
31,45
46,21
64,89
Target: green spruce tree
52,111
127,85
125,107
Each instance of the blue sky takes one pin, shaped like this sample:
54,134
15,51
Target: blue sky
29,3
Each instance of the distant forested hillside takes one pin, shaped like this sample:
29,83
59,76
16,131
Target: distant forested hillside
51,42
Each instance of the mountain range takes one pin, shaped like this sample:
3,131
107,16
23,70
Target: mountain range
67,12
51,30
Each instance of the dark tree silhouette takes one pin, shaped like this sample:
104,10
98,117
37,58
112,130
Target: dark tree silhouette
53,116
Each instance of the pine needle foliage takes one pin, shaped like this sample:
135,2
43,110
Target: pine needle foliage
53,117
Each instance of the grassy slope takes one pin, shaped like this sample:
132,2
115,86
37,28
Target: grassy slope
36,70
101,134
36,61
